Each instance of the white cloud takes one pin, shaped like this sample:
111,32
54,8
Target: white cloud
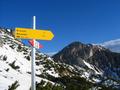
113,45
51,53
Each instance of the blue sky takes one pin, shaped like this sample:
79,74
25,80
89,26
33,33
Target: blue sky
87,21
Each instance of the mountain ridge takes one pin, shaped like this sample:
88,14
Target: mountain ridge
100,61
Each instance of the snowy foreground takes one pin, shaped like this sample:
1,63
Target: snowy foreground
10,57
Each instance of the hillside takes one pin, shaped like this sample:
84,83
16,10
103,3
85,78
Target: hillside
96,62
15,69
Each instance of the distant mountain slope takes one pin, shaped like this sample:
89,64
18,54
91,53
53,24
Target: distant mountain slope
94,60
113,45
51,53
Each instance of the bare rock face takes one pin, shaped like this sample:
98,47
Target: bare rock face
76,53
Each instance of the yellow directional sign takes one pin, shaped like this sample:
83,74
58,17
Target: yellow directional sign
26,33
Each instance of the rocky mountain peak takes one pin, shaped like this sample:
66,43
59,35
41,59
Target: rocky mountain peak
86,55
78,50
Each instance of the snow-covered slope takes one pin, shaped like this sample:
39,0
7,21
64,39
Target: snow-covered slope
113,45
15,64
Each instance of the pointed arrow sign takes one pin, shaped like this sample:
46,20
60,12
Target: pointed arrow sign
37,44
26,33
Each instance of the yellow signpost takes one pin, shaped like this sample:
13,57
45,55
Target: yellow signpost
26,33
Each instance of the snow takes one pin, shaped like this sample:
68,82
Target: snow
8,30
91,53
4,83
52,72
91,67
21,74
87,64
49,58
96,80
12,75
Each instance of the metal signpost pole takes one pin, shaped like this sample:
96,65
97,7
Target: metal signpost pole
33,83
26,33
